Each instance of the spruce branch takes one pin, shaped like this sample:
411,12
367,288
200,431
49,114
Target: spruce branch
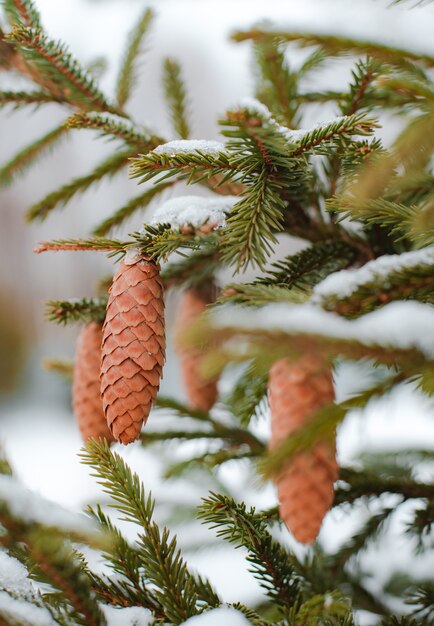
276,85
113,246
126,562
176,98
258,294
423,601
73,311
335,45
308,267
19,99
56,64
366,483
109,167
180,594
58,562
60,366
208,461
127,73
411,282
270,563
194,166
192,270
28,155
115,127
138,202
19,12
249,394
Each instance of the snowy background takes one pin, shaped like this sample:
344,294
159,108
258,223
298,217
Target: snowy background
37,429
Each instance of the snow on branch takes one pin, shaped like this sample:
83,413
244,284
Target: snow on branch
217,617
35,509
345,282
187,146
128,616
194,211
401,325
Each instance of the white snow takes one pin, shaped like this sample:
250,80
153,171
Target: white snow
186,146
194,211
33,508
403,325
129,616
23,612
13,575
345,282
223,616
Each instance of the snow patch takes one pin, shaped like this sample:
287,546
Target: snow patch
33,508
129,616
186,146
13,575
403,325
218,617
194,211
345,282
23,612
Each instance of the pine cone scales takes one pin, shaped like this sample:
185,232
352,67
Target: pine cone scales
86,397
133,347
305,484
201,393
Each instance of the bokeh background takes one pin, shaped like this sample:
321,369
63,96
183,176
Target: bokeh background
36,425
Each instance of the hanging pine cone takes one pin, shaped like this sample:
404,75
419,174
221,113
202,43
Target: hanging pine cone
133,347
305,483
86,397
201,393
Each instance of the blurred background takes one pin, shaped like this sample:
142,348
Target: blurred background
36,424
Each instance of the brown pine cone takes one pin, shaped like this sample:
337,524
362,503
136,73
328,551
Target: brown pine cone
133,347
305,483
86,397
201,393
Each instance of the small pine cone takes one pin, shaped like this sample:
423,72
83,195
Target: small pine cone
305,483
86,397
133,347
201,393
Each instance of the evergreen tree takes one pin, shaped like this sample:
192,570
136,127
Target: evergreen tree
360,291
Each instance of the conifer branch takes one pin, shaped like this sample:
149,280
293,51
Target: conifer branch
74,245
115,127
276,84
19,99
138,202
192,270
58,562
176,97
22,12
308,267
26,157
366,483
180,594
73,311
60,366
127,74
249,394
109,167
271,565
258,294
56,64
126,562
336,45
208,461
412,283
193,166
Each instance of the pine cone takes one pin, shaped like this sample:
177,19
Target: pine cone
305,483
133,347
201,393
86,397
